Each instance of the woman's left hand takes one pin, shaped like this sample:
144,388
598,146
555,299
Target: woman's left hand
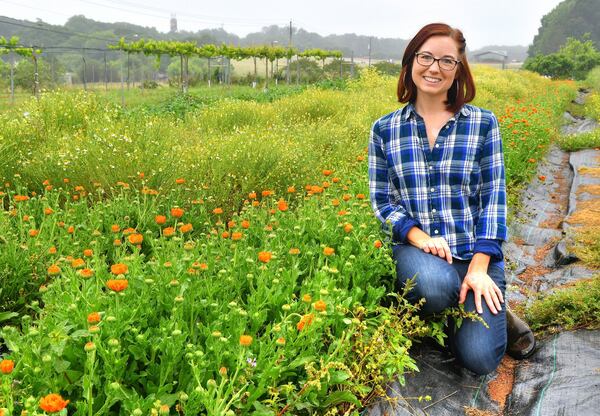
482,285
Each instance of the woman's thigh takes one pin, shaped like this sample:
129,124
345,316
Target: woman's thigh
435,279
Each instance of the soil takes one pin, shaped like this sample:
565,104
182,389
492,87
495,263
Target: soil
590,189
531,272
500,387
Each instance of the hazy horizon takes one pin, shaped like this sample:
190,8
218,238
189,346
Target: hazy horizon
481,24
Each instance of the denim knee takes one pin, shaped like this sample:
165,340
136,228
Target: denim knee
435,280
480,361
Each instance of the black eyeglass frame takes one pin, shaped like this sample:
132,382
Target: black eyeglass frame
418,54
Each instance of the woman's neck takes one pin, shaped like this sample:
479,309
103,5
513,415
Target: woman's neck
427,105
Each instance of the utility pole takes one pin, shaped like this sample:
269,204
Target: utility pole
289,61
370,39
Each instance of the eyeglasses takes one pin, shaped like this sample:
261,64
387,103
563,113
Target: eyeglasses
425,59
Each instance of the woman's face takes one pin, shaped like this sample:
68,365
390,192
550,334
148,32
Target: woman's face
432,80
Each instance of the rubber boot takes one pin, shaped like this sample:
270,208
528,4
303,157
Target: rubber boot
521,342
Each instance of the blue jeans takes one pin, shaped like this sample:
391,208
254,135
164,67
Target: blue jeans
476,347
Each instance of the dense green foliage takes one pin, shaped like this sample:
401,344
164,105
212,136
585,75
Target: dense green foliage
251,274
573,307
571,18
575,59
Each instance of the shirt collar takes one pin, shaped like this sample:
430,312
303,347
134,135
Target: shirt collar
410,110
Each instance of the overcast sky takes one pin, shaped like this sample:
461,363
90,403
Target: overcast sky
484,22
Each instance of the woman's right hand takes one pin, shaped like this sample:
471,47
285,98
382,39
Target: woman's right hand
437,246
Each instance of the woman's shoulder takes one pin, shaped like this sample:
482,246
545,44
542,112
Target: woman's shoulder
478,113
391,119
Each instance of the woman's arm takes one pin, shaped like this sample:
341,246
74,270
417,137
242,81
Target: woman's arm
396,221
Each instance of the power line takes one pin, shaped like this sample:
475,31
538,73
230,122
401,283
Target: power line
47,29
216,19
138,12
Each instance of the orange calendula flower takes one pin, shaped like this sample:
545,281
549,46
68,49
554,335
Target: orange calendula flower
217,211
255,203
245,224
230,224
177,212
52,250
115,228
282,205
360,196
117,285
225,234
265,256
346,197
119,268
377,244
71,229
305,321
245,340
294,251
335,202
320,305
348,227
179,181
235,236
117,242
252,195
307,298
21,198
335,180
291,189
86,273
186,228
169,231
48,211
328,251
88,252
53,403
53,270
7,366
203,266
160,219
360,158
280,341
77,263
128,230
135,238
33,233
327,172
93,318
266,193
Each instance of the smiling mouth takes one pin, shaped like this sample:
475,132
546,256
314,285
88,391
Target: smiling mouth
430,79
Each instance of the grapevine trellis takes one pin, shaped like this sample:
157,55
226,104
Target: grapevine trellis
12,46
184,50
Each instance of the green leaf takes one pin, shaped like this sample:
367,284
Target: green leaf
338,397
5,316
338,377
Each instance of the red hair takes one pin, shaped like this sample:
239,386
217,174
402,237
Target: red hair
463,88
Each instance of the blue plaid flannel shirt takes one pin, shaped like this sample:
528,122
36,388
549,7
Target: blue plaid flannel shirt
456,190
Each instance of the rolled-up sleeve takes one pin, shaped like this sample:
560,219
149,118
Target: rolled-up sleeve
491,224
396,221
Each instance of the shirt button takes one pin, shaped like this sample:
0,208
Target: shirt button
430,167
447,126
434,210
437,145
432,190
436,232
